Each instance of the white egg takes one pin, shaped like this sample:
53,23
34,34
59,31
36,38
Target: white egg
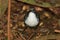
32,20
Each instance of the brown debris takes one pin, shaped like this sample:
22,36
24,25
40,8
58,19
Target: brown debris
47,26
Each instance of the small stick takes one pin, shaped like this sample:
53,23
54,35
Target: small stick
32,35
22,36
8,29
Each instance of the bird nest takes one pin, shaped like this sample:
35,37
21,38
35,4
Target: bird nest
49,21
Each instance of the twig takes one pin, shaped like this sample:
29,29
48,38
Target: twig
22,36
9,21
32,35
